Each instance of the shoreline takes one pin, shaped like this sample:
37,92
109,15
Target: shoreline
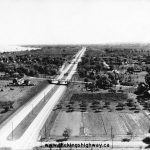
16,48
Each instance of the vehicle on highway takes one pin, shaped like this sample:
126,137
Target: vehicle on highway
125,140
66,74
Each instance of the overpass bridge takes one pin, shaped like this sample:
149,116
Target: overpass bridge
65,82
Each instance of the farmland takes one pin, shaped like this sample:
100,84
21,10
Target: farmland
97,126
97,117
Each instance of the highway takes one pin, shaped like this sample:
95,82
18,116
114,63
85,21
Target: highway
29,138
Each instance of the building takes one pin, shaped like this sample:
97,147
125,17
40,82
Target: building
18,81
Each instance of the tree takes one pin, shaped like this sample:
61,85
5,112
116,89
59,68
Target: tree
121,104
147,79
2,66
41,69
54,71
22,69
47,70
142,87
67,133
111,67
130,103
103,82
98,76
32,73
107,103
98,66
11,58
91,86
86,80
147,140
130,70
113,77
82,72
148,69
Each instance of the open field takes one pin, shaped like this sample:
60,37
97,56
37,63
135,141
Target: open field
91,117
140,77
97,126
18,94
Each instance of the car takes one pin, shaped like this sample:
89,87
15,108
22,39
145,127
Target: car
125,140
66,74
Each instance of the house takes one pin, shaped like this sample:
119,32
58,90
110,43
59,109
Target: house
18,81
27,82
147,61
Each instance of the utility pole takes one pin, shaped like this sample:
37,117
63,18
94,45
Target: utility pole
91,148
44,97
45,131
41,141
112,136
70,147
12,131
32,109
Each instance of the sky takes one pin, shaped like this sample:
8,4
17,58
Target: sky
74,21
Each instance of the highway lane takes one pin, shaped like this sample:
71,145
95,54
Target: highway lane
23,112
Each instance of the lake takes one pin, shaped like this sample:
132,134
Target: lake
11,48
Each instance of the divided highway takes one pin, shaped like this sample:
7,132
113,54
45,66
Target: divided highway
29,138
